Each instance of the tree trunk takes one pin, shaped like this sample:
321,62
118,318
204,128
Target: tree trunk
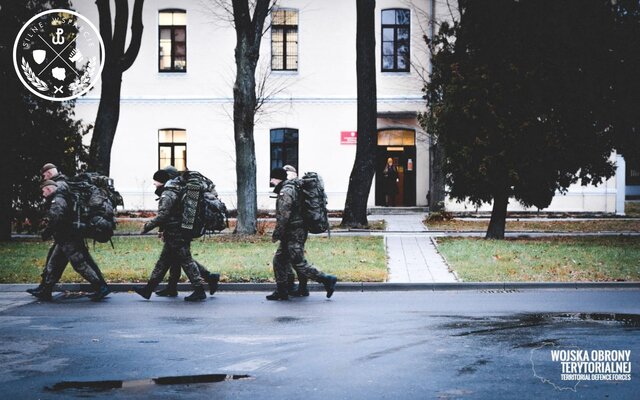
117,60
106,123
355,209
498,217
249,33
437,181
244,101
5,214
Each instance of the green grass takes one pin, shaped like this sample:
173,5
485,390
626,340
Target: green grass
544,260
632,208
609,225
135,226
238,259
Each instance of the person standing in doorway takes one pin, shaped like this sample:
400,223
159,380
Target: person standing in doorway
390,182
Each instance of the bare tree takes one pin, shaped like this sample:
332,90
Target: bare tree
249,31
355,209
117,60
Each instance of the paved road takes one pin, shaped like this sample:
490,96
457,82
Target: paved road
382,345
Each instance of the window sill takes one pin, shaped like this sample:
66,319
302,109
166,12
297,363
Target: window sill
285,72
172,73
395,73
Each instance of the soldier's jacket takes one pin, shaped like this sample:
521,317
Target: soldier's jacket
169,215
288,210
60,215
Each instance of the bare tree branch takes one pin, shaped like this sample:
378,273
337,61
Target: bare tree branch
136,36
120,26
106,30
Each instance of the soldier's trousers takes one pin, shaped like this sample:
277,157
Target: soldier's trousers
176,251
45,272
75,252
290,253
175,271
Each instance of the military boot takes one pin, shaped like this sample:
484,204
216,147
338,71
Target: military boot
197,295
170,291
302,290
35,290
281,292
45,293
291,284
213,280
100,293
144,291
329,282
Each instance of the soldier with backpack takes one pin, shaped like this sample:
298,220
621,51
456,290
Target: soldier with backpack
177,242
175,270
50,172
69,244
291,230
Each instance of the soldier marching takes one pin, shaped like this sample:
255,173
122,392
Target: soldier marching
173,208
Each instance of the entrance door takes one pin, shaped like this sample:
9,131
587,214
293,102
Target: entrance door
399,145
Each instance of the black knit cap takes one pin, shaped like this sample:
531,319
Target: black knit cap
161,176
47,167
279,173
48,182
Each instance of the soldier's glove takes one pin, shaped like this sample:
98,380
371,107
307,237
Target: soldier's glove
46,234
80,227
147,227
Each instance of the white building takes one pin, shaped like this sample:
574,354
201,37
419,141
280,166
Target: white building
177,101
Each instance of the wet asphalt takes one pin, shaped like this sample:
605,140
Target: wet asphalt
377,345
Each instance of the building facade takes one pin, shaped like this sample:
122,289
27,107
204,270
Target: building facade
177,98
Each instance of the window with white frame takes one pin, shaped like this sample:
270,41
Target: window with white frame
172,37
284,147
284,40
172,148
396,24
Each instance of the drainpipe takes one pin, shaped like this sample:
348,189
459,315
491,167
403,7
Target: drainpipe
432,32
620,184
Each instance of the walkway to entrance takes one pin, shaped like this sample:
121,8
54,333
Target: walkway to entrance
412,258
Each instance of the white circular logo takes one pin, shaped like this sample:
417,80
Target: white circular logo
58,55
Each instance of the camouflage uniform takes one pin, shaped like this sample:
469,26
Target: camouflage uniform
177,244
292,234
175,272
69,245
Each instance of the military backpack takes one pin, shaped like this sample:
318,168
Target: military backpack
314,203
94,203
202,210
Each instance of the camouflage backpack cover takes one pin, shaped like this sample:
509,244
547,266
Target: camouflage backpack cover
202,210
314,203
94,203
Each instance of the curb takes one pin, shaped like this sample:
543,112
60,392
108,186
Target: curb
358,286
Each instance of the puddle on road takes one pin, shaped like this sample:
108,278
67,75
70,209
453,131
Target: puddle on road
99,386
287,320
494,324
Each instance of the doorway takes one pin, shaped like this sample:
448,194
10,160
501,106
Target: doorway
399,145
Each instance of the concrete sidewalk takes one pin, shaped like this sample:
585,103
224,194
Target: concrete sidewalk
412,256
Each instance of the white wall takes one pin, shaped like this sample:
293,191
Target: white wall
319,100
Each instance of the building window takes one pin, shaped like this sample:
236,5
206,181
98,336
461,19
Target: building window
284,147
172,33
284,40
172,148
395,40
